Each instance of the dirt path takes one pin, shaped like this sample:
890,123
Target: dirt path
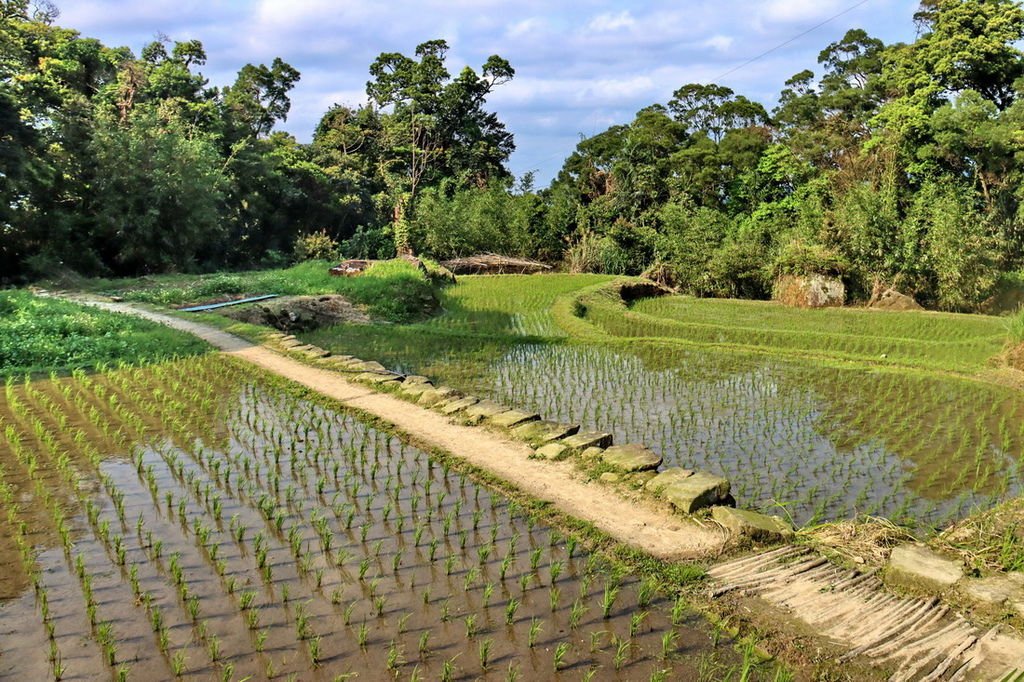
654,531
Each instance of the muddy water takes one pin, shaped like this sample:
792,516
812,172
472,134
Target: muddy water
217,528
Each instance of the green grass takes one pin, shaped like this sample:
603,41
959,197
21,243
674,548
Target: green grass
962,343
393,291
45,334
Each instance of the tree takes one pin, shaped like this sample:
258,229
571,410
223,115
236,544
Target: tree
436,127
258,99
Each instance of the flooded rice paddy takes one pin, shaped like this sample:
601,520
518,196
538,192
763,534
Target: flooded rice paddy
807,439
191,520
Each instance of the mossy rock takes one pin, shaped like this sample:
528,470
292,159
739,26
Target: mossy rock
459,405
485,408
590,439
539,432
513,418
631,457
696,492
753,525
552,451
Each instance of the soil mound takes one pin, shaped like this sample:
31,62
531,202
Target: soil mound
300,313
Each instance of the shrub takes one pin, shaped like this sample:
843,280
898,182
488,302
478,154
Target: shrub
800,258
316,246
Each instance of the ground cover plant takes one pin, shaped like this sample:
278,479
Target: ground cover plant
394,290
194,520
43,334
889,416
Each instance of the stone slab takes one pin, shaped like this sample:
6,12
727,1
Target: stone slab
917,564
415,389
370,366
554,451
609,477
631,457
751,524
696,492
317,352
539,432
291,343
485,408
667,478
513,418
432,396
590,439
378,378
592,453
459,405
995,590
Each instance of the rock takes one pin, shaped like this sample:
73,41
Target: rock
917,564
317,352
555,451
890,299
369,366
413,379
288,344
591,453
416,389
811,291
752,525
582,441
667,478
631,457
696,492
378,378
641,478
485,408
539,432
459,405
995,590
609,477
432,396
513,418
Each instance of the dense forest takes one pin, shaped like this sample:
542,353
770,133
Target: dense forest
892,164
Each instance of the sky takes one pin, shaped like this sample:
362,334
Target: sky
580,66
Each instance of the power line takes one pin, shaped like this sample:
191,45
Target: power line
791,40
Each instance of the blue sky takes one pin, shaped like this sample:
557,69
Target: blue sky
580,66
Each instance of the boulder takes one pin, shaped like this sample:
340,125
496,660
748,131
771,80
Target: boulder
513,418
890,299
696,492
811,291
918,565
538,432
590,439
485,408
555,451
667,478
752,525
631,457
459,405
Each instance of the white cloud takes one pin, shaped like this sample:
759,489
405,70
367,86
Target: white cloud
611,22
719,42
525,27
796,11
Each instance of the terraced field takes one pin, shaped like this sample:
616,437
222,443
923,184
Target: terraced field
825,414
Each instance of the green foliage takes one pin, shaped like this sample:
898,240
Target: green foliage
475,220
316,246
45,334
800,258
